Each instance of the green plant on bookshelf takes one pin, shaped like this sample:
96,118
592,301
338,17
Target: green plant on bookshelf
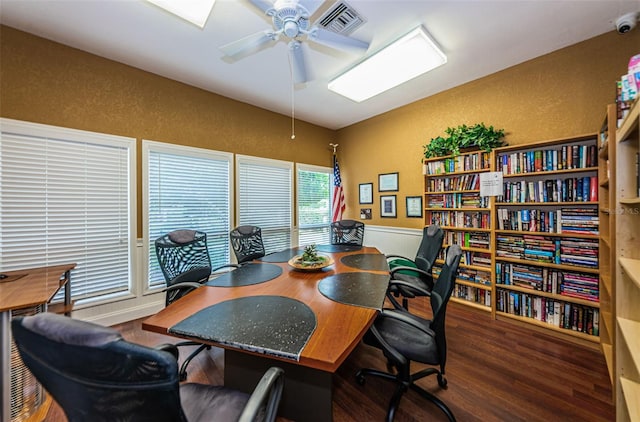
463,136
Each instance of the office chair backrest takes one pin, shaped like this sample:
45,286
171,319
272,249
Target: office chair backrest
183,255
347,232
94,374
247,243
440,295
430,245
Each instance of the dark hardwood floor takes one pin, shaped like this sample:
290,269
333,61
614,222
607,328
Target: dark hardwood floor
496,371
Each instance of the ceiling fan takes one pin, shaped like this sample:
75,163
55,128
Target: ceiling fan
291,24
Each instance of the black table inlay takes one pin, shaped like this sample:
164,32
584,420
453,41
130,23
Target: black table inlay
282,256
338,248
366,261
246,274
360,289
273,325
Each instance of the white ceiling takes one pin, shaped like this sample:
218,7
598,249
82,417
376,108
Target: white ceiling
479,37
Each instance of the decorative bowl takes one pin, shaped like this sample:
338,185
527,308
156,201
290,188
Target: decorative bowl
297,263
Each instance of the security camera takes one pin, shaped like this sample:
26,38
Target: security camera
626,23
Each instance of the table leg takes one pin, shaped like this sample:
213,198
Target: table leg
307,391
5,365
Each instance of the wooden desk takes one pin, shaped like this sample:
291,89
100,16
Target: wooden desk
25,289
307,381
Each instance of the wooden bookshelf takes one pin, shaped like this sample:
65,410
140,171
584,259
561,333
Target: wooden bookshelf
606,196
449,184
625,275
549,207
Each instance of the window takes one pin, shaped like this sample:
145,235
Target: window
186,188
264,199
68,196
314,204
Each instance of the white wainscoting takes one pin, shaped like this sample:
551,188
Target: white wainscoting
388,240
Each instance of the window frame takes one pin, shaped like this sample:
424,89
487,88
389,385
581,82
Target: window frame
268,162
37,130
318,169
149,146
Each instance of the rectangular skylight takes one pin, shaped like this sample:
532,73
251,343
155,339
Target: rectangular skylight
410,56
195,11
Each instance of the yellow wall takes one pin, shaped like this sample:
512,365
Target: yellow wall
560,94
46,82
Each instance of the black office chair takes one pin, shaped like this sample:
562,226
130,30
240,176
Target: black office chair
247,243
95,375
416,273
184,259
347,232
405,338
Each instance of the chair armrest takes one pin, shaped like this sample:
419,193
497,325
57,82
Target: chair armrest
398,257
267,392
225,266
183,285
169,347
401,283
416,270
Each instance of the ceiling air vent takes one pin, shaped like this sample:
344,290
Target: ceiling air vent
341,18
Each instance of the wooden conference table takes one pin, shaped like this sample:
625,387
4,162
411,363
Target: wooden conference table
266,313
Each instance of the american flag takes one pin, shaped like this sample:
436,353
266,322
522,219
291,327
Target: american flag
338,193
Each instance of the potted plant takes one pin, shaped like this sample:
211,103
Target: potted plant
463,137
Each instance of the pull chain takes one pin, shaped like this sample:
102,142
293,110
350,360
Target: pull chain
293,105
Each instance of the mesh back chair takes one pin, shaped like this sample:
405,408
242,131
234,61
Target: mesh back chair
247,243
416,273
95,375
184,259
405,338
347,232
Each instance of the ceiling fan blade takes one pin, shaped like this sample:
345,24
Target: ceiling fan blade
296,59
333,40
263,5
247,45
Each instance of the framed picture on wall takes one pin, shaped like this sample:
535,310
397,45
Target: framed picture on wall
388,206
388,182
414,206
366,193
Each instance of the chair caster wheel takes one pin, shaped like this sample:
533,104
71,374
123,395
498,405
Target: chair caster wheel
442,381
183,376
360,379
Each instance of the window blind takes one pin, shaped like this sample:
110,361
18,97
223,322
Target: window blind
265,199
313,187
66,197
187,188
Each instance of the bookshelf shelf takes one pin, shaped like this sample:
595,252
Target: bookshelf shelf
632,268
458,208
549,265
607,350
471,304
549,295
624,229
466,229
473,284
631,334
453,191
630,201
575,235
535,322
631,392
553,204
551,173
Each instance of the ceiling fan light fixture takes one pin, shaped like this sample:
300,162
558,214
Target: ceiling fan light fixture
406,58
195,11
